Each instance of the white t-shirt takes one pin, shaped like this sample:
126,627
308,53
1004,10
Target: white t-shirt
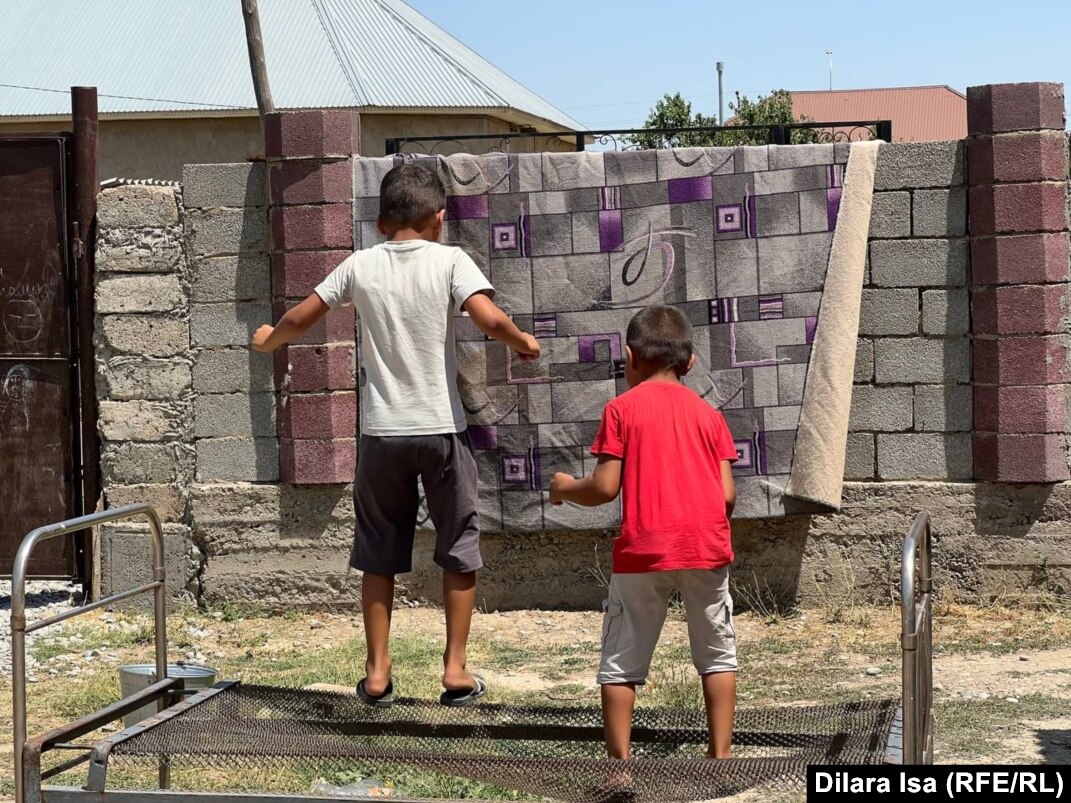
405,294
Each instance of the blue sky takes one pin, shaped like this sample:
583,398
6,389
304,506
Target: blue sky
605,63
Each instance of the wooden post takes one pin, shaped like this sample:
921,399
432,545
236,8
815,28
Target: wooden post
257,65
86,186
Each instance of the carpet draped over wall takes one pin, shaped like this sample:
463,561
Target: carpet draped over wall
763,248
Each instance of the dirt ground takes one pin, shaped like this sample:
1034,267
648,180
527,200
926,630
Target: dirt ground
1002,674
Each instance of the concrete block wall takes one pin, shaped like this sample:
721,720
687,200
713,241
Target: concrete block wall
144,382
911,405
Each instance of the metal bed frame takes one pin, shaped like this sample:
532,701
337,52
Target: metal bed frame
910,741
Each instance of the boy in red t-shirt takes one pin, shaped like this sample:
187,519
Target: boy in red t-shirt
669,454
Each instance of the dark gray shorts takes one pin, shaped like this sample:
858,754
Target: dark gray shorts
387,501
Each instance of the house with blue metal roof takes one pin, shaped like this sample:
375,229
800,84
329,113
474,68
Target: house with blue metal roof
175,88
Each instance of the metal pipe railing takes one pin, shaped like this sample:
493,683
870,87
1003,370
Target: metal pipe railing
19,628
916,641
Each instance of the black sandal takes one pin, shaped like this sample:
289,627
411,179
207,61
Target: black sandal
384,700
464,698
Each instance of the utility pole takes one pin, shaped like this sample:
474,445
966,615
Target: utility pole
721,94
257,66
829,53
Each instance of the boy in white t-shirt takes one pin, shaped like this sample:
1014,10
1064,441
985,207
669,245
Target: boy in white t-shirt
406,292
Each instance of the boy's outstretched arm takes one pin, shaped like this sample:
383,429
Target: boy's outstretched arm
291,326
601,487
729,486
497,325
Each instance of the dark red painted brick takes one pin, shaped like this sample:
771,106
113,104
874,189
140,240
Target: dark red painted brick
304,369
337,326
1018,208
1030,156
317,462
1020,259
995,108
1019,309
311,181
297,273
1036,409
305,228
1038,360
1020,458
312,133
317,415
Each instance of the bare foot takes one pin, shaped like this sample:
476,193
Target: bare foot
377,678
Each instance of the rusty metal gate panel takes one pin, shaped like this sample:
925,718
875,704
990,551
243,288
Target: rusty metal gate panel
38,468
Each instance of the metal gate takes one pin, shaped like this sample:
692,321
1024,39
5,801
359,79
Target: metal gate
38,371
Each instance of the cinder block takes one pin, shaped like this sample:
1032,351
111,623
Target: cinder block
311,181
303,228
940,213
234,414
859,457
943,408
215,232
1020,458
1018,208
915,263
229,324
209,185
147,293
880,409
912,165
889,312
1020,309
236,370
169,501
864,361
337,326
312,133
231,278
238,460
126,562
1020,259
890,215
1033,409
318,462
946,312
295,274
145,335
122,378
303,369
1031,156
139,420
144,463
994,108
917,360
1037,360
924,456
321,416
134,207
158,250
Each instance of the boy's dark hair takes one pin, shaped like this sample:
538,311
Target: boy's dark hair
410,194
662,336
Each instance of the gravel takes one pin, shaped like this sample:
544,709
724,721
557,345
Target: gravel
44,598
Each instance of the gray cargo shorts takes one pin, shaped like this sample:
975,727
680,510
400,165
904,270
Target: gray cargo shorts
387,502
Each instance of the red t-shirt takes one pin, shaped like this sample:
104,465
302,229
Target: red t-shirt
671,443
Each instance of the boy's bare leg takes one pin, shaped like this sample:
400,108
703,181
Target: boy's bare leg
719,692
459,598
618,700
377,605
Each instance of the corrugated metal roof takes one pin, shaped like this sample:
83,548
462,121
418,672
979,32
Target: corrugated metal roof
918,113
147,56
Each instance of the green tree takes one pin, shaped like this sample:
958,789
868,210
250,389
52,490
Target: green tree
674,112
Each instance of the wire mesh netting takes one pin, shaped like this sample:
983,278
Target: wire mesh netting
549,752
